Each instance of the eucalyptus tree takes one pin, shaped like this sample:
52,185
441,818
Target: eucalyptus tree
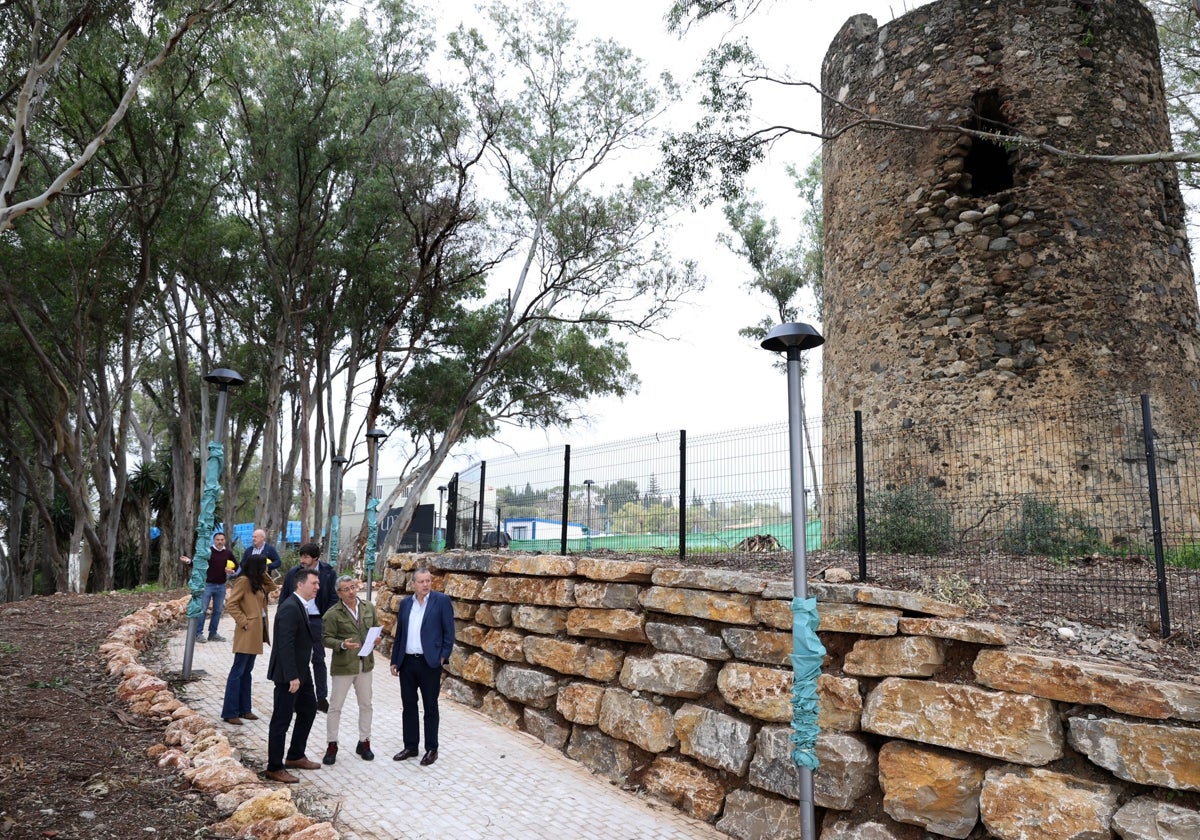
578,238
1179,37
35,40
315,99
781,270
82,285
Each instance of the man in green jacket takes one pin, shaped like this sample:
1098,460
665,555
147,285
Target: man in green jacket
345,632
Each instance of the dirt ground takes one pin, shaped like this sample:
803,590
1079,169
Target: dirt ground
73,761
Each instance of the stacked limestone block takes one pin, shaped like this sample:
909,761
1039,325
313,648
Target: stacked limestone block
676,681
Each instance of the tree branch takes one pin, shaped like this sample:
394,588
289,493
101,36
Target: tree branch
37,73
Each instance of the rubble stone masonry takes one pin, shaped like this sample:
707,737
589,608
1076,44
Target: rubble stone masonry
965,275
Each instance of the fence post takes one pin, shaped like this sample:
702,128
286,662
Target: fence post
477,523
860,497
450,524
1160,571
682,494
566,496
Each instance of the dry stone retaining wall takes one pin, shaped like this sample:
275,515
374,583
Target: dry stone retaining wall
676,681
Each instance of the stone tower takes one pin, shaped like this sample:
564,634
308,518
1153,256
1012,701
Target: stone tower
965,276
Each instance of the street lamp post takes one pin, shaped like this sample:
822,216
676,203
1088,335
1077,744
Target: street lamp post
339,463
587,482
807,650
223,378
439,525
375,438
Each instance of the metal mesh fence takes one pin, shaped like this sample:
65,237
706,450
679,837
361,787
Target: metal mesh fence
1055,509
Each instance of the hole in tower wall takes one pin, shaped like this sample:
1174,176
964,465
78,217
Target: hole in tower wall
988,167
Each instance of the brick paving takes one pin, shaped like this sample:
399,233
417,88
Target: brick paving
489,783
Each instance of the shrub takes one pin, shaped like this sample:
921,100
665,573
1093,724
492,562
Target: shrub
907,520
1043,528
1184,556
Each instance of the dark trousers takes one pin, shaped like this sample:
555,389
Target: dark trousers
316,628
416,675
237,686
302,704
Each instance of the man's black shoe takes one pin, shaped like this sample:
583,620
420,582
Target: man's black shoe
403,754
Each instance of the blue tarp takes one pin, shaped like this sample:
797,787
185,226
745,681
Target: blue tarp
243,533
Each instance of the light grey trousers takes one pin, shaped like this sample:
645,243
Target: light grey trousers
337,699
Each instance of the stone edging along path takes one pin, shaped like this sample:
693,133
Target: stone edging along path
193,746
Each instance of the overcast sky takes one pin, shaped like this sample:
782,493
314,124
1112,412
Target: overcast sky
702,376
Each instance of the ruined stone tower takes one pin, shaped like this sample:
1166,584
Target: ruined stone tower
964,276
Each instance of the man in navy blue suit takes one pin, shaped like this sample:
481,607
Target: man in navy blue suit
424,638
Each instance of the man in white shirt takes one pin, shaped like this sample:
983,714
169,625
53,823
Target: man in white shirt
424,639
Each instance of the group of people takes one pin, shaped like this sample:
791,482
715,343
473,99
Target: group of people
221,567
317,610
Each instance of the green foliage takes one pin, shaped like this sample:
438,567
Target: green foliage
908,520
653,518
715,155
1043,528
782,267
1184,556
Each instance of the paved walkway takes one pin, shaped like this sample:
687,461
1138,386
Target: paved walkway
489,782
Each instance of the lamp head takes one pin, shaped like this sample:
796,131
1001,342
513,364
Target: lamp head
377,434
442,488
224,377
340,459
792,336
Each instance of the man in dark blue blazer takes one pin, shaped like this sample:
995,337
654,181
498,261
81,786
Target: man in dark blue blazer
424,638
291,652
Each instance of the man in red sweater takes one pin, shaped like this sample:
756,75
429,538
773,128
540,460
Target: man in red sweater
220,564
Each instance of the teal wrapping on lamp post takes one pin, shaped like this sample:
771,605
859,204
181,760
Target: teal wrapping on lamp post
807,650
336,504
372,527
223,378
807,655
375,437
204,528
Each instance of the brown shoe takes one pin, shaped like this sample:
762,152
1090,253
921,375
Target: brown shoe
282,776
233,721
249,716
302,764
429,758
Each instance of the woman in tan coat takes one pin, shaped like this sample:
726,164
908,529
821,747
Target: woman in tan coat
247,605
